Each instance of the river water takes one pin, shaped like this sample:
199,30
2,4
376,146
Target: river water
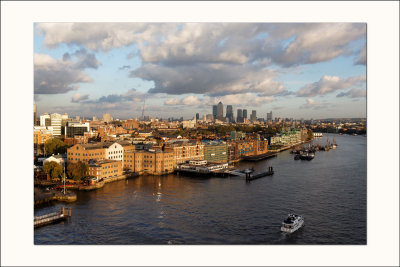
329,191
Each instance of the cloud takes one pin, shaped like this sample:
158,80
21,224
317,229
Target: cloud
328,84
212,79
77,97
315,42
354,93
285,44
85,59
242,100
362,57
311,104
54,76
130,96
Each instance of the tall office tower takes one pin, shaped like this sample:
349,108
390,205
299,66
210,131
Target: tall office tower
244,113
239,117
197,116
269,116
56,119
214,111
45,120
220,110
94,118
229,113
107,117
253,116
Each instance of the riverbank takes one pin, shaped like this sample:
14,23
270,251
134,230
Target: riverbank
42,196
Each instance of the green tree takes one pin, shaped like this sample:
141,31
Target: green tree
54,146
53,169
78,170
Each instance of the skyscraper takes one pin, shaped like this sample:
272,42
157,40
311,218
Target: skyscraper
269,116
253,116
229,113
239,117
56,119
220,110
197,116
214,111
244,113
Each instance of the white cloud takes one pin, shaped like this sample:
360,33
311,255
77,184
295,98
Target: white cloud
214,79
54,76
311,104
328,84
241,100
234,43
362,57
77,97
354,93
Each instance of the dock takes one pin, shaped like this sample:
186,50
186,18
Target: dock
53,217
250,177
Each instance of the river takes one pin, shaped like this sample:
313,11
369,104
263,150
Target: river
329,191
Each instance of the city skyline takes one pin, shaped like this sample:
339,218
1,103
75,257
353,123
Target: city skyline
314,70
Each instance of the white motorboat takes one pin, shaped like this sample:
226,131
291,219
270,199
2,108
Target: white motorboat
292,223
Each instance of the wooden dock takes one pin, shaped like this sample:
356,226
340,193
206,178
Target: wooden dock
53,217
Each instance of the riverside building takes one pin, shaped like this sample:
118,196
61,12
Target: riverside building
105,168
216,152
98,151
151,161
185,151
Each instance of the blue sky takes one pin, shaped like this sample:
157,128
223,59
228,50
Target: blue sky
315,70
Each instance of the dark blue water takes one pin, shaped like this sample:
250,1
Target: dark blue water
329,191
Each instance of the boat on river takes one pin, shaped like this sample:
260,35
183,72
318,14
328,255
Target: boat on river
292,223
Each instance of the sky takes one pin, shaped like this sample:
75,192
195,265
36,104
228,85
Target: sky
295,70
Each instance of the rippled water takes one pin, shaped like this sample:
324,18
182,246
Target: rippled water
329,191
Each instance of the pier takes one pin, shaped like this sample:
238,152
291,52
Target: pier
53,217
250,177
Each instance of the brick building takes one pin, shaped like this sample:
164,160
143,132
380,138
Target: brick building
184,151
216,152
105,168
151,161
130,124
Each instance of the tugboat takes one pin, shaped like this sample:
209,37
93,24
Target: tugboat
292,223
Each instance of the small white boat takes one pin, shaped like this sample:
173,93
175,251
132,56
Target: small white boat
292,223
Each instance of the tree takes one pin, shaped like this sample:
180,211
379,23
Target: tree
54,146
78,170
53,169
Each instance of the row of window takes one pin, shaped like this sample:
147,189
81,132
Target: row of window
85,154
114,152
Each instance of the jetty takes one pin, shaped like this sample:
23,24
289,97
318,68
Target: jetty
250,176
53,217
42,196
